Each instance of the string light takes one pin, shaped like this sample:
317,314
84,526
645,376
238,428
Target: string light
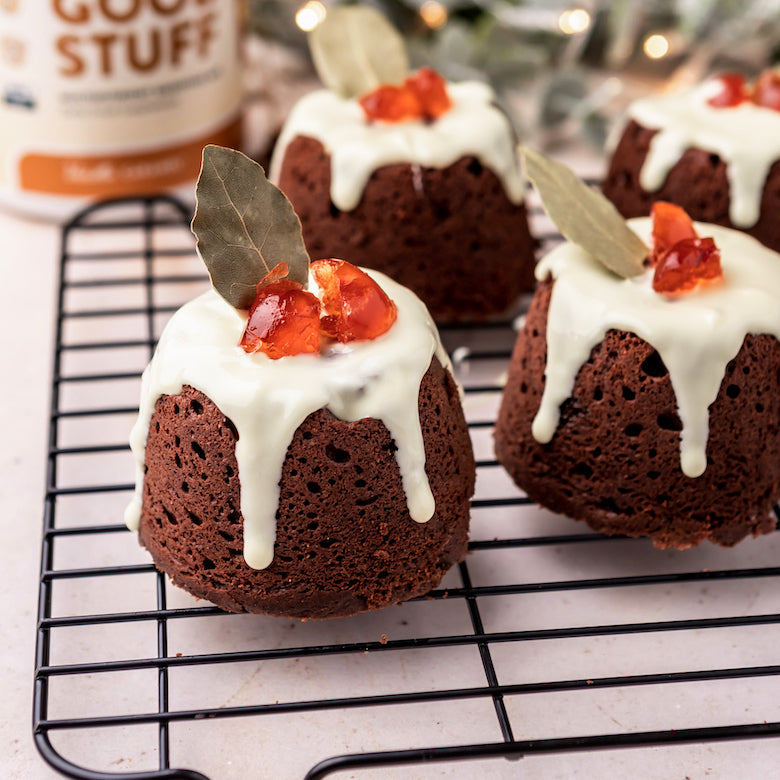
575,21
433,13
310,15
656,46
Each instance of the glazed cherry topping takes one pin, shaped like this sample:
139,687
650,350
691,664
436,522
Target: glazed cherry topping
766,90
670,225
391,103
356,307
284,319
688,263
431,90
422,96
733,91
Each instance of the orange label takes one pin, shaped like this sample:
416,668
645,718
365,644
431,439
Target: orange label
103,176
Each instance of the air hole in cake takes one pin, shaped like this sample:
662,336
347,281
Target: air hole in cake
714,160
365,501
360,483
171,518
227,537
653,474
654,366
177,441
185,487
583,469
474,167
195,519
669,422
157,427
313,487
198,450
609,505
337,455
335,211
759,408
325,543
732,391
628,393
598,394
651,453
634,429
177,460
234,518
523,387
389,447
176,408
209,564
196,406
232,428
307,435
442,212
229,471
313,526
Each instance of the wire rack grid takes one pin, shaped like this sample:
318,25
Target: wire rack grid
548,643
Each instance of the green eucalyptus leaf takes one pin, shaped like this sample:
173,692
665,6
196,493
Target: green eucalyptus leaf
244,225
355,49
585,217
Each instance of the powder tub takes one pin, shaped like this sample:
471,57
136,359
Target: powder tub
111,98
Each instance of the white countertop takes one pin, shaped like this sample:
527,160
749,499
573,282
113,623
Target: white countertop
29,265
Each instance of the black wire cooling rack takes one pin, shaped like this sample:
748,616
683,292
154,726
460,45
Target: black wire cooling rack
548,642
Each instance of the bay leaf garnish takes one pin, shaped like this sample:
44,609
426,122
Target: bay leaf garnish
355,49
585,217
245,226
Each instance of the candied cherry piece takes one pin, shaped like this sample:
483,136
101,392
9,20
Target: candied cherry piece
431,90
391,103
283,319
733,91
670,225
356,307
686,264
766,90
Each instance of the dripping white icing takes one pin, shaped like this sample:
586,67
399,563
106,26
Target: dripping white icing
746,137
473,126
696,334
268,399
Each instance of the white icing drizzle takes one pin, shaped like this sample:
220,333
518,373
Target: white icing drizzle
746,137
268,399
696,335
473,126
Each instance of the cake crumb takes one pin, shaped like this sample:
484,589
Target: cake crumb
383,639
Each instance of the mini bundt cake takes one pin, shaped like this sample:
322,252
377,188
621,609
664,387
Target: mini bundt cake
713,150
644,414
306,455
406,173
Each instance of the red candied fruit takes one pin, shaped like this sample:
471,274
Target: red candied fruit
733,91
423,95
391,103
431,90
356,307
766,91
686,264
670,225
284,319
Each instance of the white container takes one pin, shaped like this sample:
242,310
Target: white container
108,98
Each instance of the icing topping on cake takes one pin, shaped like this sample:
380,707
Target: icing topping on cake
473,126
746,137
268,399
696,335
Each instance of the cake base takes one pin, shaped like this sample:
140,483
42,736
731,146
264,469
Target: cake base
451,234
614,460
345,541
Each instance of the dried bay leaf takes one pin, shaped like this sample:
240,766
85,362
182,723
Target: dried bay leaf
355,49
244,226
585,217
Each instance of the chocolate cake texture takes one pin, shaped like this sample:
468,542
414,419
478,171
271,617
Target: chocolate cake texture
345,542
